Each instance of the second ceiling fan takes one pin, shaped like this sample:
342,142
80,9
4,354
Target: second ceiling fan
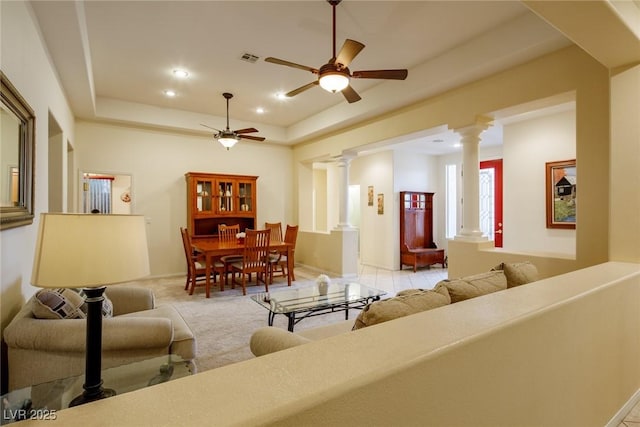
334,76
228,137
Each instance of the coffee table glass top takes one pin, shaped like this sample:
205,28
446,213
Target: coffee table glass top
43,400
313,298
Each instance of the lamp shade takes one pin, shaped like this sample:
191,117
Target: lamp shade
89,250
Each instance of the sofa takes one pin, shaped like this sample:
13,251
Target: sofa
270,339
46,344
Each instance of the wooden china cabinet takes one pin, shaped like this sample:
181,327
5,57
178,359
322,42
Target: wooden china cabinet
214,199
417,247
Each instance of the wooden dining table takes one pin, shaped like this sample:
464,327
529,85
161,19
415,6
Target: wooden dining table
214,248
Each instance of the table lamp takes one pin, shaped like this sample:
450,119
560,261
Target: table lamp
90,251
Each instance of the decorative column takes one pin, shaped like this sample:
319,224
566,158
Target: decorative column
470,139
343,192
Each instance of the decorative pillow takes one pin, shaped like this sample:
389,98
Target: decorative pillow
475,286
58,304
518,273
64,303
409,302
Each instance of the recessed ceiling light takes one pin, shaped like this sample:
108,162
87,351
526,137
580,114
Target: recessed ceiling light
181,74
259,110
281,95
169,93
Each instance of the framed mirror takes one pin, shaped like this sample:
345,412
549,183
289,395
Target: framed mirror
17,143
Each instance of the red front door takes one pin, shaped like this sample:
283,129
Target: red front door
496,165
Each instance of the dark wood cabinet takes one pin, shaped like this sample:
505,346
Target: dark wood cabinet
214,199
417,247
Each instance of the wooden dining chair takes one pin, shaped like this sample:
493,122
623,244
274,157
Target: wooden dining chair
196,264
280,260
255,259
276,231
227,234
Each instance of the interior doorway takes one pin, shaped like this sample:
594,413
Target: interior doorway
105,193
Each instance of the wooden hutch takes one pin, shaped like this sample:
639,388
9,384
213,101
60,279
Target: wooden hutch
417,247
214,199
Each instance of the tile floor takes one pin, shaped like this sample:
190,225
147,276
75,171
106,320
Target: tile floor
396,281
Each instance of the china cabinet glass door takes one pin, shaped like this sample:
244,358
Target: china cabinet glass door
225,193
245,198
204,196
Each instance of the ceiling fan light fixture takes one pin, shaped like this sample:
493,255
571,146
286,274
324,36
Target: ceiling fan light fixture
334,81
180,73
227,141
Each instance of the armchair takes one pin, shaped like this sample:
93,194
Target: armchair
41,350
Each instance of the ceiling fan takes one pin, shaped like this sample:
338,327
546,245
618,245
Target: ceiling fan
334,75
228,137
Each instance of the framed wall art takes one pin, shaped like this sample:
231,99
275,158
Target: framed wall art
380,204
370,195
561,194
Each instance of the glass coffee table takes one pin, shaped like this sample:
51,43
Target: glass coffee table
298,304
43,401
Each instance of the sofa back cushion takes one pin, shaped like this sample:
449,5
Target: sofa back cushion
474,286
408,302
518,273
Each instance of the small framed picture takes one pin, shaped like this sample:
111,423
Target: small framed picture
561,194
370,195
380,204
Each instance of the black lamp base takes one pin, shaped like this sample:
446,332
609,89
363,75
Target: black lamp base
93,363
88,397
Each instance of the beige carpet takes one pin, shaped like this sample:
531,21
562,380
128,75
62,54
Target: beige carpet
224,322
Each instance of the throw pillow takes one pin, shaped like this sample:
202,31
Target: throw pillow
64,303
60,303
518,273
475,286
409,302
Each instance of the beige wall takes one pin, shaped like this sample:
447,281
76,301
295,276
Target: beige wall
26,65
624,192
534,355
334,252
544,139
565,71
157,161
377,233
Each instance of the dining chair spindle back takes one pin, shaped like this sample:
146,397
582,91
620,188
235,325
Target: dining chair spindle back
255,259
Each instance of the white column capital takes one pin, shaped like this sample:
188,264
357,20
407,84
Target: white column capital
344,160
472,132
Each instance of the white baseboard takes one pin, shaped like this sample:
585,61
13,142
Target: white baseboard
622,413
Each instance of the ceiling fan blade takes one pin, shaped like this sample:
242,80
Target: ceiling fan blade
301,89
349,50
350,94
254,138
246,130
381,74
291,64
202,124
